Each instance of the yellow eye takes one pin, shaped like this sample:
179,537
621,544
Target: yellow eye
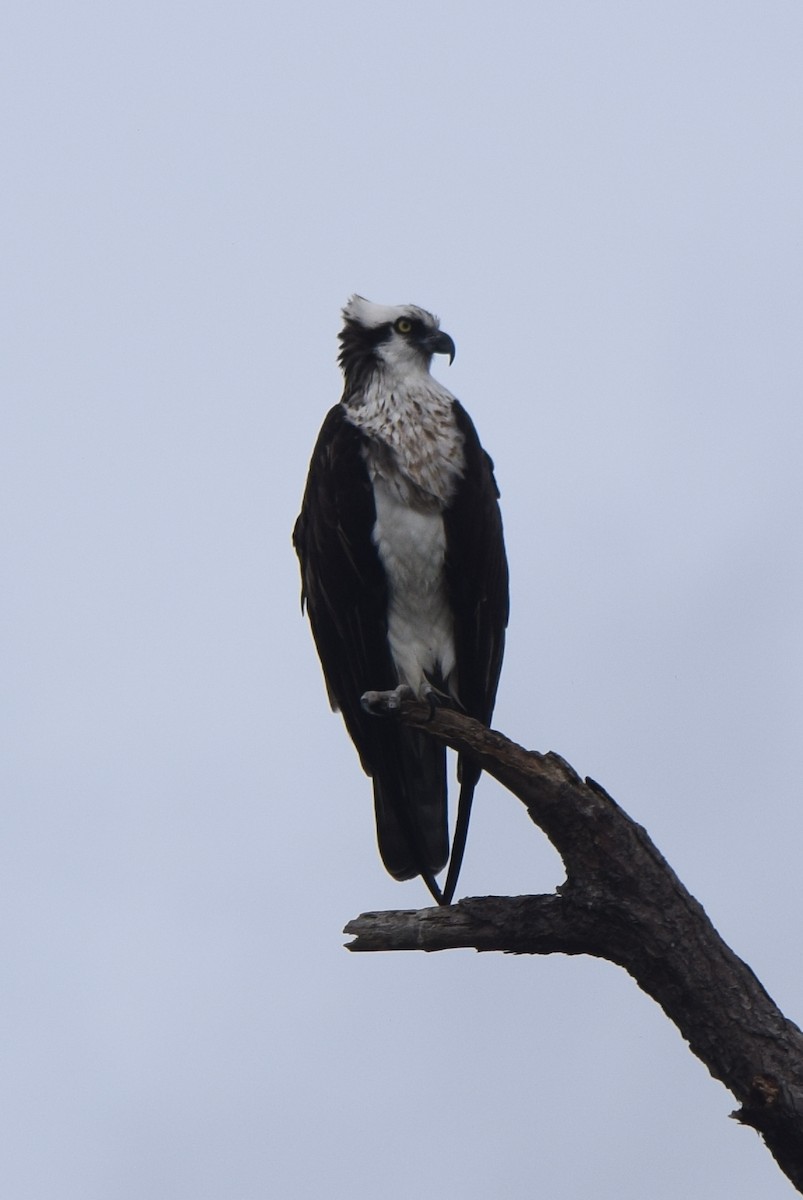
403,325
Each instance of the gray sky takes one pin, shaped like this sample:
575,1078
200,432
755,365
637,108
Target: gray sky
603,202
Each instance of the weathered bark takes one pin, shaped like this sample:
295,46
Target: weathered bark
621,901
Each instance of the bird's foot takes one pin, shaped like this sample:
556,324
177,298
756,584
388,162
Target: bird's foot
386,704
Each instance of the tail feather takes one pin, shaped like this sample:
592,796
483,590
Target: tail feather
410,802
469,775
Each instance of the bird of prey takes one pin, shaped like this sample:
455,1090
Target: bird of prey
404,575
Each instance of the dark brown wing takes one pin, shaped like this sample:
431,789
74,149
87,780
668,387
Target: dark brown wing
344,588
477,585
476,577
343,584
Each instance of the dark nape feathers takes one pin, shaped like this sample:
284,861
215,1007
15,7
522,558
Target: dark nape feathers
356,358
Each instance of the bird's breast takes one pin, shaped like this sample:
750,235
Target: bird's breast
412,440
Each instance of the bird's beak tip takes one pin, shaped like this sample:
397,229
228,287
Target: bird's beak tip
444,345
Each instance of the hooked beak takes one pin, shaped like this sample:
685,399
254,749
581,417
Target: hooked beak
440,343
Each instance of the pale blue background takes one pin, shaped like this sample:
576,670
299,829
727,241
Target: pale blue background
604,203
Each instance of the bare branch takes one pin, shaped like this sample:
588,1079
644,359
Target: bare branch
621,901
517,924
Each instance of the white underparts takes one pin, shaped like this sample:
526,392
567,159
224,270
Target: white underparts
412,547
414,454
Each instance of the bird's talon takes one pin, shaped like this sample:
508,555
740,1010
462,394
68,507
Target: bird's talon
433,700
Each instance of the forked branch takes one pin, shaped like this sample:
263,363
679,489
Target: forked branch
621,901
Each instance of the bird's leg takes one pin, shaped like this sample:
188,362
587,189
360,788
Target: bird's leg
384,704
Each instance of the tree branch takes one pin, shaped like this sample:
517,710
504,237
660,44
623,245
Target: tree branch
621,901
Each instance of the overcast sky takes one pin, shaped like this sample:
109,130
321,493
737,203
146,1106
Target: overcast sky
604,203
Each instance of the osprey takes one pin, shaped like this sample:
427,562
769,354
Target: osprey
404,575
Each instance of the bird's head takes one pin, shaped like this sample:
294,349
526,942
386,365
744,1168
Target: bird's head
401,338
